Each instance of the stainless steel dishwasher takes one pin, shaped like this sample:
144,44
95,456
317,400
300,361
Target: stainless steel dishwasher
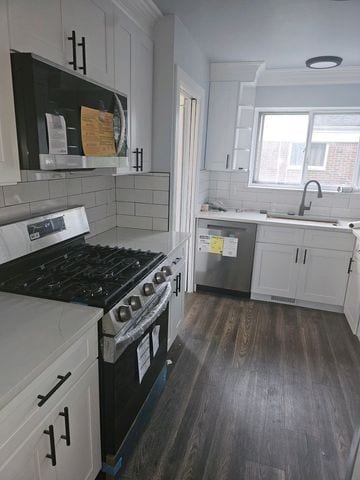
224,256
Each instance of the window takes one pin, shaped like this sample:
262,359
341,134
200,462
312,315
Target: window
294,147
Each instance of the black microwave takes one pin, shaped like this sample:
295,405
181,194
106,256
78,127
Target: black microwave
54,107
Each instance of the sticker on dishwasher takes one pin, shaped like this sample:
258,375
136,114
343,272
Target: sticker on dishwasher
230,247
216,244
204,243
143,356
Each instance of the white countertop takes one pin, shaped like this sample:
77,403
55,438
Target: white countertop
165,242
262,219
33,333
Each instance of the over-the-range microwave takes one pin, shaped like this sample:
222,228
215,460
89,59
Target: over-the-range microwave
47,96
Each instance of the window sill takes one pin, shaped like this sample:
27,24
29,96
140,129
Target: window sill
287,188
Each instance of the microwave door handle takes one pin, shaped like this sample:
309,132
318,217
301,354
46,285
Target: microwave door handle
72,38
82,44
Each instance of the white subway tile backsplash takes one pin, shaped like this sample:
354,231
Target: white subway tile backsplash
161,224
86,199
57,188
146,210
132,195
134,222
125,181
45,206
73,186
125,208
152,182
93,184
13,213
161,197
26,192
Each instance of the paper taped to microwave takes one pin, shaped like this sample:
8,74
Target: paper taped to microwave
114,347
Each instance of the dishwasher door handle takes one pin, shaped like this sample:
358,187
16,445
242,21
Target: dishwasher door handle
219,227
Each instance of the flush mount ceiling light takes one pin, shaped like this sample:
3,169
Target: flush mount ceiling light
326,61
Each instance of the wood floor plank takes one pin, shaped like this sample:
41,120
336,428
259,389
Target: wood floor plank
256,471
256,391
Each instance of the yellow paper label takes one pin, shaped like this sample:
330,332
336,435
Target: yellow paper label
216,244
97,133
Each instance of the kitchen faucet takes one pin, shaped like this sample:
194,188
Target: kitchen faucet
304,207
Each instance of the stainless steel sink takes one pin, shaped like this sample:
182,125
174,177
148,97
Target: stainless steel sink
307,218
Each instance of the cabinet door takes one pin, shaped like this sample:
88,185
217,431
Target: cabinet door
352,299
82,458
141,101
121,54
9,155
28,460
36,27
275,270
323,276
93,20
223,103
177,310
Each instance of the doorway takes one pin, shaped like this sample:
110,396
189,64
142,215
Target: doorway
188,142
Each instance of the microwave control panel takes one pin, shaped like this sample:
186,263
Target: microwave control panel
46,227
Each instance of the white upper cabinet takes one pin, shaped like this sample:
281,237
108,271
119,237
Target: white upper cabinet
223,103
141,104
9,155
92,21
122,39
36,27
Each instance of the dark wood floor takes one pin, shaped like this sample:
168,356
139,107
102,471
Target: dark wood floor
256,391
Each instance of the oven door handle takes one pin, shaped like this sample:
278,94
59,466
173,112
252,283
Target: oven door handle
122,341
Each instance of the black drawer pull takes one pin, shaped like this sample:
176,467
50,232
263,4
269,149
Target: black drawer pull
66,437
51,455
141,159
45,398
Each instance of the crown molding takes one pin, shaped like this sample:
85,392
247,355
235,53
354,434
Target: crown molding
283,76
144,13
235,71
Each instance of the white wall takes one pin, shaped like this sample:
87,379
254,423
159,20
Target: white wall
173,46
309,96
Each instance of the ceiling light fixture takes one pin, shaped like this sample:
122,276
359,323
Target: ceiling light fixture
324,62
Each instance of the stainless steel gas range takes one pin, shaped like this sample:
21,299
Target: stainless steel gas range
48,257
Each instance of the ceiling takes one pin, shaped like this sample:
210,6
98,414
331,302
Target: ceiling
284,33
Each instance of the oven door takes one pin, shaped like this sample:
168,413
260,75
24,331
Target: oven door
126,383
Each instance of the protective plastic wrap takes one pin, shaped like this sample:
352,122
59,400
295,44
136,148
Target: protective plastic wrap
113,347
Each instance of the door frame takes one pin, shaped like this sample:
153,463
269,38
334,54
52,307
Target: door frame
183,81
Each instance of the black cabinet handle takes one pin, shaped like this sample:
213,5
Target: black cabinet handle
66,437
180,282
349,267
73,41
141,159
82,44
51,455
305,256
45,398
176,286
297,255
136,152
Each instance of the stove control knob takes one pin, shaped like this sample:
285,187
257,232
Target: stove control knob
166,270
124,313
148,289
159,278
135,302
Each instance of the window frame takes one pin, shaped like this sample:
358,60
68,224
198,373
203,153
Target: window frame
257,137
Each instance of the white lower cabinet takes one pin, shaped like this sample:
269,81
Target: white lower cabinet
275,271
75,451
323,276
51,429
352,299
302,273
